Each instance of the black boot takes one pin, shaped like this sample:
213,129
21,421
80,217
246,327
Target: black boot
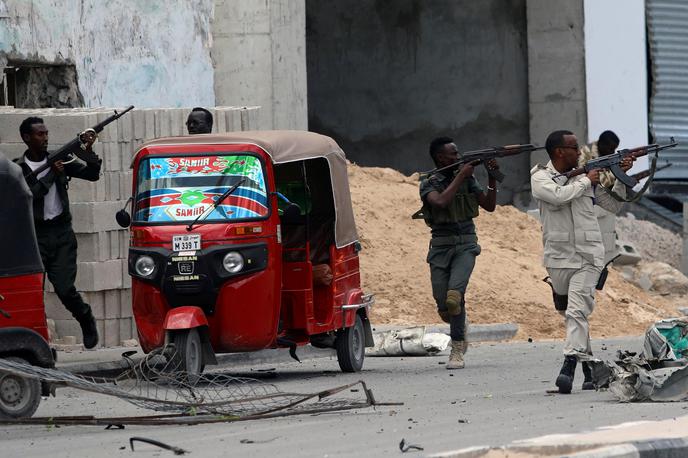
89,330
565,378
587,375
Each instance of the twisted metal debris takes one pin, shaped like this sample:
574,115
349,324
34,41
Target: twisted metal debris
155,384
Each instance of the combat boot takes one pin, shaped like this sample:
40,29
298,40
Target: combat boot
587,376
89,330
565,378
458,348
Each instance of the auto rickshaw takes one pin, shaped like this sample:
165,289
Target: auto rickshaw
245,241
23,327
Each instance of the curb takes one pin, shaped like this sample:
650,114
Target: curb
476,333
653,448
659,448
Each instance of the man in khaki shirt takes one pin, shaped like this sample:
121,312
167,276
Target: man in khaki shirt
607,143
573,248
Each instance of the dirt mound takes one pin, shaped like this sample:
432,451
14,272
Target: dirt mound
506,285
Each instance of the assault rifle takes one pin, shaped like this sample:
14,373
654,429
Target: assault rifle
483,155
613,162
78,145
646,173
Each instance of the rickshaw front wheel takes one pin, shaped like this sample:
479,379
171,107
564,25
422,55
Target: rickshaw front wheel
188,354
350,346
19,396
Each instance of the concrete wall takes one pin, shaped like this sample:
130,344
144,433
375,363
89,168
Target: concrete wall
148,53
386,76
616,72
259,54
102,275
556,70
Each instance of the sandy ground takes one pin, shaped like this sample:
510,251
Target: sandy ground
506,285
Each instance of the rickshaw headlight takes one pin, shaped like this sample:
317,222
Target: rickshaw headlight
144,266
233,262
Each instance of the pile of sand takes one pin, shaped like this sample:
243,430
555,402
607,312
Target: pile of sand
506,285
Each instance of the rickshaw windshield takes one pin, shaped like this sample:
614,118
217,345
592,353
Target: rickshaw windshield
177,189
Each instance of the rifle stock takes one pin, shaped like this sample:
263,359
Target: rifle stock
75,145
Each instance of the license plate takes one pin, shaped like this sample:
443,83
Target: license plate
187,242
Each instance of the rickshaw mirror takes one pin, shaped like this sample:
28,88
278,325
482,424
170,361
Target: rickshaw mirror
123,218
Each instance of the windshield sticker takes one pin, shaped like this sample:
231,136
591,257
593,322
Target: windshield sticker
184,188
179,167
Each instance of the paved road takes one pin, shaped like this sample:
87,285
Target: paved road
499,397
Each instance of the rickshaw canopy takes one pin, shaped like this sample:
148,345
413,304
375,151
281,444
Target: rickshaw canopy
17,232
285,146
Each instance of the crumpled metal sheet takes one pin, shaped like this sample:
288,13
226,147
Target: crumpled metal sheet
407,342
657,374
636,379
656,345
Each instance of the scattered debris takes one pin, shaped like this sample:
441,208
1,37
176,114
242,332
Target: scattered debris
405,446
413,341
205,398
463,420
659,373
176,450
252,441
114,426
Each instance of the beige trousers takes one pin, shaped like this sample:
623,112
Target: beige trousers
579,284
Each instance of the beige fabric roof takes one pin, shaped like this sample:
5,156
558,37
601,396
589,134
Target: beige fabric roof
289,146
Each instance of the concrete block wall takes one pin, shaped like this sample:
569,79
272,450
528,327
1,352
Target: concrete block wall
102,276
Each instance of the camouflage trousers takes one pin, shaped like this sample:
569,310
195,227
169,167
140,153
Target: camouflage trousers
451,261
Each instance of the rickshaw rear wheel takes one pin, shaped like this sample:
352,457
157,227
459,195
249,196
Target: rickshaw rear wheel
188,353
19,396
350,346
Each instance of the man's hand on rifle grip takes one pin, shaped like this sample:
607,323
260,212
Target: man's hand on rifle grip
467,170
594,176
58,167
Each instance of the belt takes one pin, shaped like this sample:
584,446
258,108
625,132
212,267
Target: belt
60,220
453,240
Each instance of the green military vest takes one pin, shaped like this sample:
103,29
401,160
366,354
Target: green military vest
462,208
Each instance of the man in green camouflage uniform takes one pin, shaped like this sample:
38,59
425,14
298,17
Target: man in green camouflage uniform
450,202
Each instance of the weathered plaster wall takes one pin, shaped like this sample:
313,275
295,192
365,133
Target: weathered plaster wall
259,53
386,76
148,53
556,69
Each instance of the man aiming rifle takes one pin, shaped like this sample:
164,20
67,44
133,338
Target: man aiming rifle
48,176
451,198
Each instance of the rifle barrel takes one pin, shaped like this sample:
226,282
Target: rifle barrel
498,151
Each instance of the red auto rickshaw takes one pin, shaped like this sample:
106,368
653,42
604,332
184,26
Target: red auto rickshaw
23,327
245,241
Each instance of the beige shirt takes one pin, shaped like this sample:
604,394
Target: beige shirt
605,217
571,232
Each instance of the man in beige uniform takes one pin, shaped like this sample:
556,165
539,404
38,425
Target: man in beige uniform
574,252
607,143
